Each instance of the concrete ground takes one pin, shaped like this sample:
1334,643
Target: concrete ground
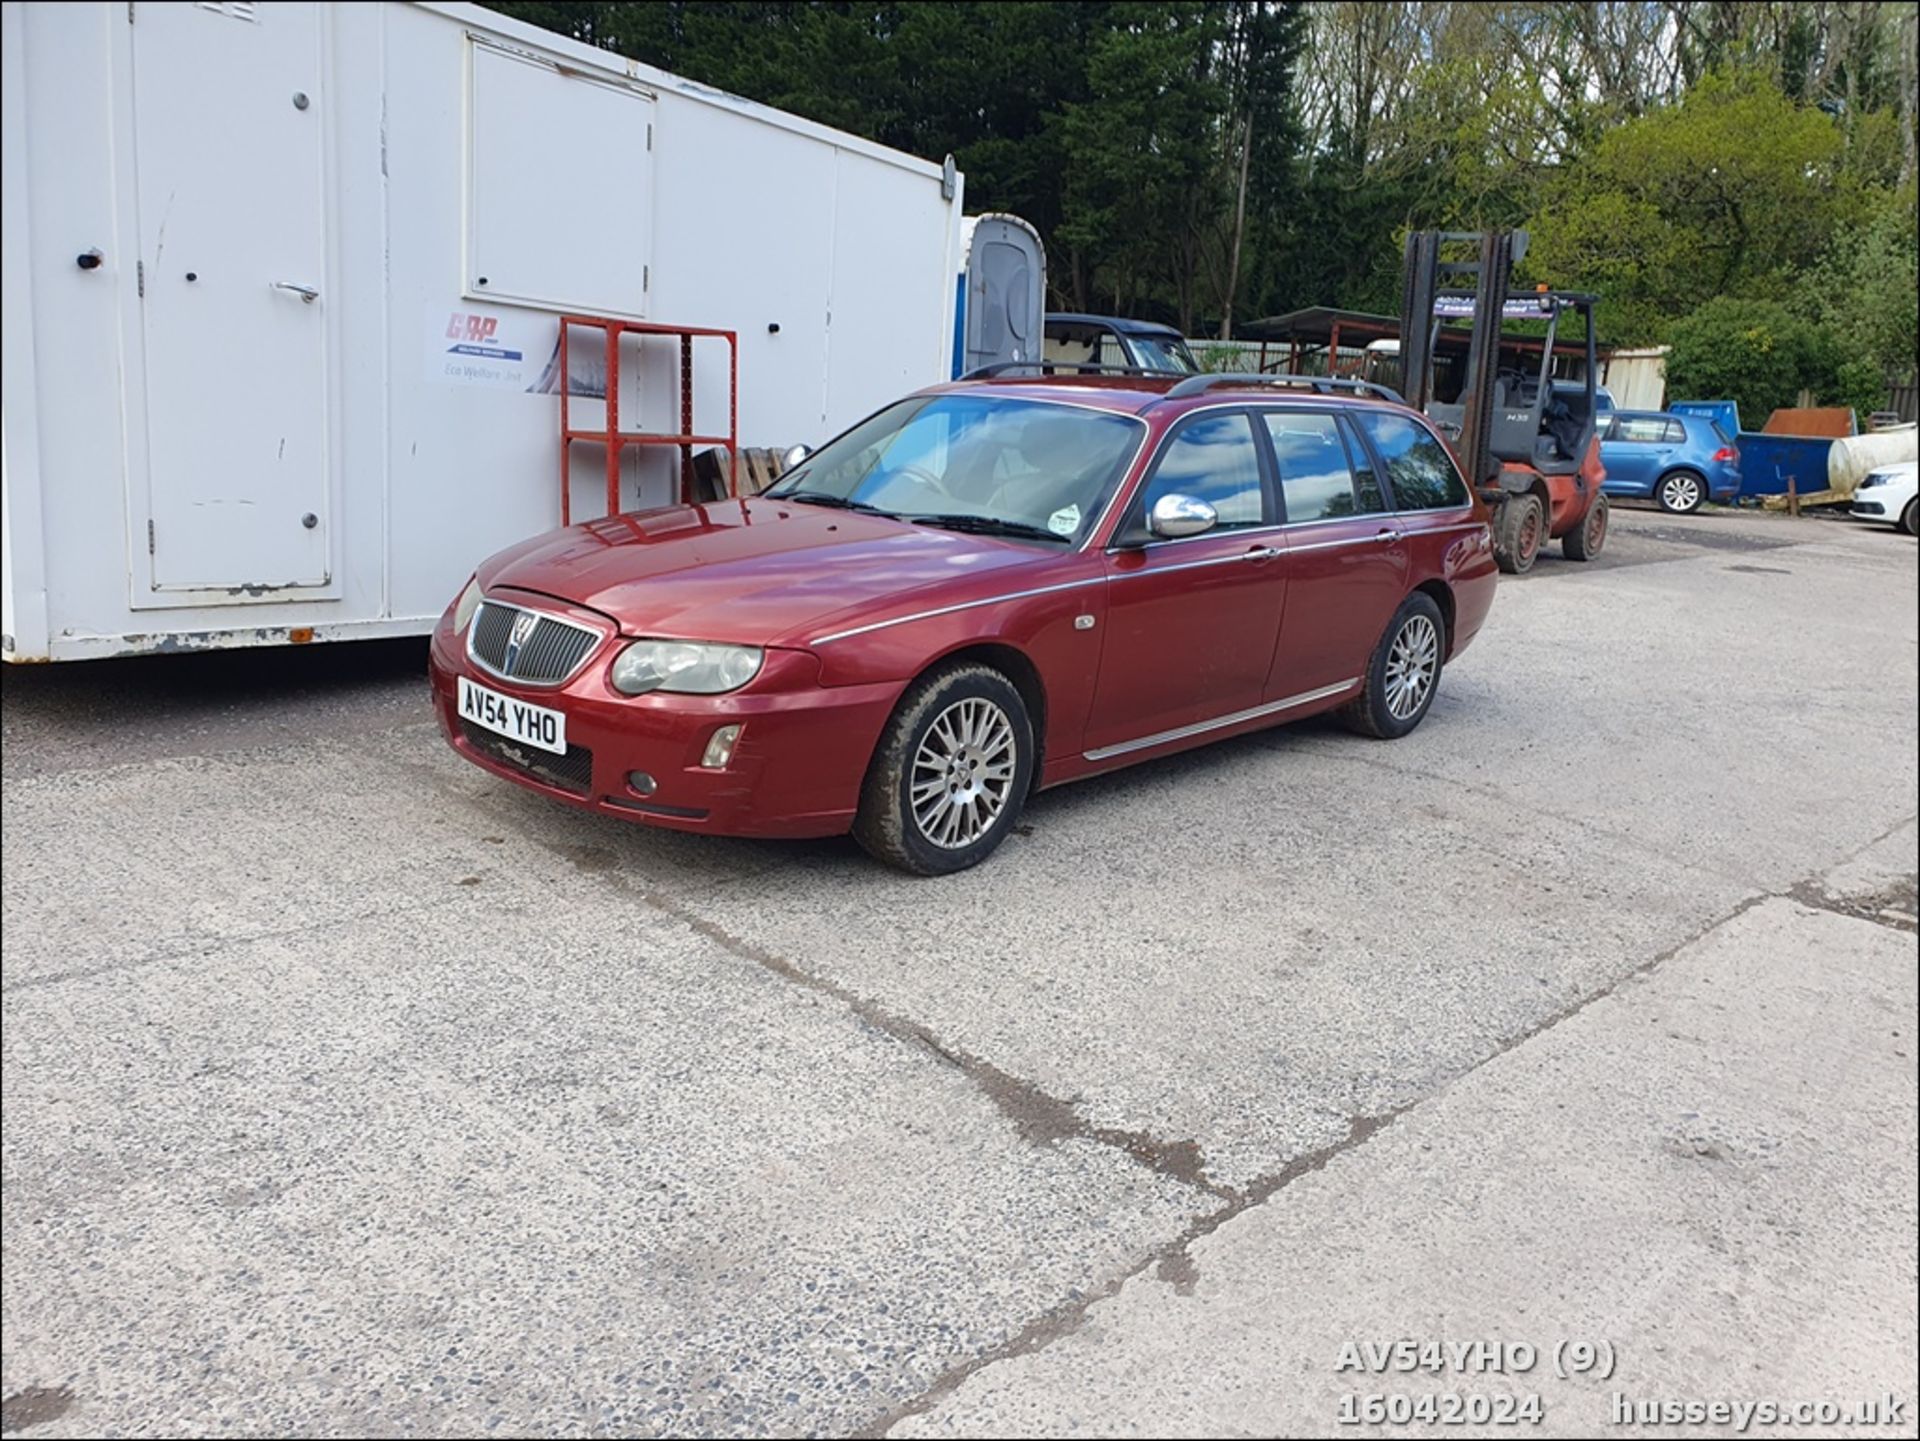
350,1090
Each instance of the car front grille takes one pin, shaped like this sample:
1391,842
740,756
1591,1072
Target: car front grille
572,771
548,651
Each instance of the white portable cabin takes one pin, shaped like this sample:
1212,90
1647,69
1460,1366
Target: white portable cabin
281,293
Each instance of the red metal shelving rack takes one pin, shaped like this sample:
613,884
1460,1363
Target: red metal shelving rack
617,440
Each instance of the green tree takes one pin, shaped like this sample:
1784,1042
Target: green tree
1144,184
1863,292
1729,192
1755,352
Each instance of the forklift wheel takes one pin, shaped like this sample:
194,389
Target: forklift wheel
1518,533
1586,542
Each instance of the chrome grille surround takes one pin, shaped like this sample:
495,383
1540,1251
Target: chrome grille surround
550,651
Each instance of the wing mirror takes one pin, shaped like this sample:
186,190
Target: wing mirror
794,457
1177,516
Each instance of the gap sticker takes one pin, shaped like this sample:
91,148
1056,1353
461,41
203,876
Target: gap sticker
1064,521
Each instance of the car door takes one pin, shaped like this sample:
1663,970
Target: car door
1346,555
1191,624
1634,453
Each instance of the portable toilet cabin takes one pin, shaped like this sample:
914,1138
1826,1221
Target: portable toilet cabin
1001,296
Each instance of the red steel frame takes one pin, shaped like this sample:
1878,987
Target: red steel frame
617,440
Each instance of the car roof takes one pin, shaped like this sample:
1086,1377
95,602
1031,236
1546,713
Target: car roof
1118,322
1133,394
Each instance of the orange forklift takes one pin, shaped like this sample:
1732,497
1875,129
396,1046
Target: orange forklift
1525,437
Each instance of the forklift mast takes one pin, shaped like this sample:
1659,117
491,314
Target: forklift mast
1494,253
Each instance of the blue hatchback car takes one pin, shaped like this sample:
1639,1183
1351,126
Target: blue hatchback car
1681,461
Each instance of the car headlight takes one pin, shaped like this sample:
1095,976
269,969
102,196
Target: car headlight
1877,477
684,666
464,608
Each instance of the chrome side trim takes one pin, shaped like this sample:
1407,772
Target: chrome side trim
599,639
963,605
1181,733
1237,557
1374,539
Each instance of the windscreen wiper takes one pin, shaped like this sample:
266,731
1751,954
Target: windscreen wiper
838,502
990,525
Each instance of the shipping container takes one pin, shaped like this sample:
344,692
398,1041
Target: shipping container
282,298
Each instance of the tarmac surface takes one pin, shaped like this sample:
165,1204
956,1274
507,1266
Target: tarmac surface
349,1089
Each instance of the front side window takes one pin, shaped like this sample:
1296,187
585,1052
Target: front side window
1213,459
1028,469
1317,480
1419,469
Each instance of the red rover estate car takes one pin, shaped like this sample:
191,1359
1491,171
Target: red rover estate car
986,588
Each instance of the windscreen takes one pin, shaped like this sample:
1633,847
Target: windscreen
1166,353
1020,468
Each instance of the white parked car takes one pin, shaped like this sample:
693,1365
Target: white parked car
1886,493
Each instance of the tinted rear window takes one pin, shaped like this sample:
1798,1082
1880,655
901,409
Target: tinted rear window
1419,469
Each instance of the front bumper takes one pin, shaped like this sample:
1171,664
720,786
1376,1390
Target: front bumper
1868,510
795,772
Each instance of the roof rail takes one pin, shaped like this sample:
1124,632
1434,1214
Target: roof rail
988,372
1319,384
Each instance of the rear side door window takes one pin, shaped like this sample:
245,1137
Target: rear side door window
1212,458
1640,429
1319,479
1676,433
1420,471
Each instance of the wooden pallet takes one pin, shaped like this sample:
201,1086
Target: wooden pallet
760,467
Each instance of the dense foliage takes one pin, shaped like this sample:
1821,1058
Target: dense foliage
1209,161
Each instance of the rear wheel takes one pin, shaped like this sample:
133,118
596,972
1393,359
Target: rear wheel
1403,673
1585,542
950,775
1910,517
1517,534
1681,492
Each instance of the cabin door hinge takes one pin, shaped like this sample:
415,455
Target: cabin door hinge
649,135
646,277
140,277
150,545
129,12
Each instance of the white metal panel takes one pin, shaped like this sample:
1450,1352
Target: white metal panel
231,190
23,596
890,320
560,172
1637,379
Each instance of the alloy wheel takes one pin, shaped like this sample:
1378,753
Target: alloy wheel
1411,666
1681,492
962,773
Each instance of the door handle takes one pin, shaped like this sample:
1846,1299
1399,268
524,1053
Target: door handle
1260,554
306,293
1386,537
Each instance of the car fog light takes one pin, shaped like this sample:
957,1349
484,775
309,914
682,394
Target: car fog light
720,748
640,783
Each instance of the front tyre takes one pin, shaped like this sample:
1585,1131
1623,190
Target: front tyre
1588,539
1910,517
1517,533
950,775
1403,674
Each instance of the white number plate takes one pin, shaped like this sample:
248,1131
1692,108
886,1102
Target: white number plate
514,719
